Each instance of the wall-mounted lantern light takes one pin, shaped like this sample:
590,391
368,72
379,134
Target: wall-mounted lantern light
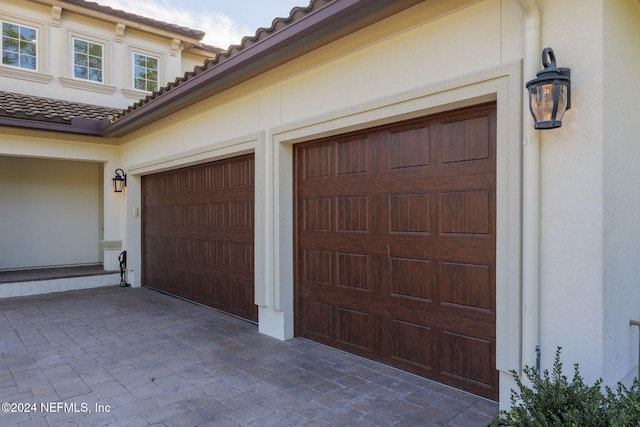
549,93
119,181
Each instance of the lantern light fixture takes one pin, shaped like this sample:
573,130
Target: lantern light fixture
549,93
119,181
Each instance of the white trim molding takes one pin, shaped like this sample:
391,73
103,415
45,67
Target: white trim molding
87,85
32,76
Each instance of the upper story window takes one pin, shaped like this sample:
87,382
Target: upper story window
145,72
19,46
88,60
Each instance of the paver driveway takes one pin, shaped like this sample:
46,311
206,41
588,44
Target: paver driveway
136,357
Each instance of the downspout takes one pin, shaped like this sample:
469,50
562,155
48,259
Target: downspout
530,346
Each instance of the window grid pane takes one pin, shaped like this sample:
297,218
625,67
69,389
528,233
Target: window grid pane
19,46
145,72
88,60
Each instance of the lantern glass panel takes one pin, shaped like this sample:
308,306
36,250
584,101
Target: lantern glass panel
543,98
118,185
562,100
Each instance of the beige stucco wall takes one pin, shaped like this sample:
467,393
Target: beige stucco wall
621,156
50,212
56,200
571,233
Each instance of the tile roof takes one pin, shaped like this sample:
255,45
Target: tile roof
296,14
305,29
20,106
185,31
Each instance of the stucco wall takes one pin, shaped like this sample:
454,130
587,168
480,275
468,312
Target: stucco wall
56,200
571,167
49,212
621,157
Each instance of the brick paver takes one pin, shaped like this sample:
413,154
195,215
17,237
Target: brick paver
135,357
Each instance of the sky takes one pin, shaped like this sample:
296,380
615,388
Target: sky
225,22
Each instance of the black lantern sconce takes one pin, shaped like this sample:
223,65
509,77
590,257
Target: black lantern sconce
119,181
549,93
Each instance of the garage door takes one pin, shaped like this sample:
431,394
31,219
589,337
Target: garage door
198,227
396,246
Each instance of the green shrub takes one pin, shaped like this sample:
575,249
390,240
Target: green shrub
553,400
623,408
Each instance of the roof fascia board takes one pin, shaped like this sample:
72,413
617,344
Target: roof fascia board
77,126
330,23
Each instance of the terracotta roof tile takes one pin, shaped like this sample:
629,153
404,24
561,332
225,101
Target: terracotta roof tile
48,109
189,32
261,34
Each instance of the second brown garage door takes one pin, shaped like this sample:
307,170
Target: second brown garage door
396,246
198,226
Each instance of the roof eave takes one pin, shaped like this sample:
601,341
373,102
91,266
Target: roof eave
77,125
328,24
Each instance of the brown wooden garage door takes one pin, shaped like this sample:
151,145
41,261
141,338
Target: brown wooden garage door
396,246
198,225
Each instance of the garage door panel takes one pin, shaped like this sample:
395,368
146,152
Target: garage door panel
413,279
466,212
403,247
316,214
202,289
352,156
413,343
466,140
354,329
402,217
472,250
317,162
353,271
391,185
319,323
352,213
396,245
219,294
468,286
410,148
317,266
239,296
198,234
221,271
431,314
464,357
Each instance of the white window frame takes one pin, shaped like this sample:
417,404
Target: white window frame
38,75
134,76
19,52
88,66
131,91
71,81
